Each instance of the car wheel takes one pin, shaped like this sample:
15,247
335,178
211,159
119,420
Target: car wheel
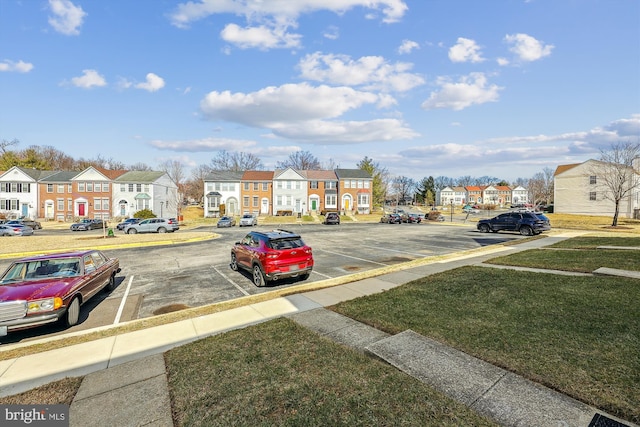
526,231
112,283
305,276
162,230
234,262
258,276
132,231
483,228
72,315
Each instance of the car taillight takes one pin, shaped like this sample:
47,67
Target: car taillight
272,255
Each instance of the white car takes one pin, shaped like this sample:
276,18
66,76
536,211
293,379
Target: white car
248,220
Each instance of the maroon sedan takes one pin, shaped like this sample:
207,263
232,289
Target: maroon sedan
47,288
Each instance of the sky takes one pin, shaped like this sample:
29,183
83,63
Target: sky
501,88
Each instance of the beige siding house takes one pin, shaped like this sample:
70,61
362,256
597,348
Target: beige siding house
579,189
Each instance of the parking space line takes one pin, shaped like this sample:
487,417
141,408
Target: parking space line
123,302
323,275
394,250
231,281
349,256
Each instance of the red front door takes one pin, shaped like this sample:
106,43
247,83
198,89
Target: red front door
81,207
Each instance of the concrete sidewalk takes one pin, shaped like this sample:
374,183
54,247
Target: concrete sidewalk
125,374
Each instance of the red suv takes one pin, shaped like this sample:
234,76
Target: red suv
272,255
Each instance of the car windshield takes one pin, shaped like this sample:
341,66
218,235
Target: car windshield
247,216
36,270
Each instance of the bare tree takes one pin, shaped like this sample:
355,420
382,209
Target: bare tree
176,172
616,178
140,167
235,161
403,188
4,144
300,160
541,187
194,187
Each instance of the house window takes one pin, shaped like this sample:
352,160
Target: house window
131,188
265,186
97,204
288,185
256,187
330,185
366,184
279,200
246,186
139,188
70,204
313,185
69,188
245,201
592,180
60,204
347,184
330,200
105,187
49,188
592,195
89,186
218,186
363,199
60,188
255,201
123,188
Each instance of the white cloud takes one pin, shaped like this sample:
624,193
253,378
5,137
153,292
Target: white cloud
469,90
527,48
89,79
502,62
261,37
332,33
272,18
19,67
152,84
204,145
465,50
371,72
287,112
67,18
407,46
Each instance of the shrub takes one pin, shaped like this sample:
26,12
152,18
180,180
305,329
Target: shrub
144,214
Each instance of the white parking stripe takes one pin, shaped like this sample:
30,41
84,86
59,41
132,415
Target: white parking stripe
349,256
122,303
231,281
320,274
395,250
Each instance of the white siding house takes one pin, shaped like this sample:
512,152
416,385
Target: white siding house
137,190
19,192
289,191
222,188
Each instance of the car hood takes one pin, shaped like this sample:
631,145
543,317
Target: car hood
36,289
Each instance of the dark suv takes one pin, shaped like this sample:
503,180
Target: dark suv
332,218
527,223
272,255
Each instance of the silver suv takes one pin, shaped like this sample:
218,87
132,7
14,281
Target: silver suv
153,225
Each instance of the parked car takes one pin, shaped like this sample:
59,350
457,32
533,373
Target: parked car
87,224
226,221
121,226
248,220
413,218
331,218
470,209
153,225
272,255
15,230
527,223
25,221
391,219
49,288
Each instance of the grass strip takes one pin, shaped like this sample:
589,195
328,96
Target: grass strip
279,373
579,260
578,335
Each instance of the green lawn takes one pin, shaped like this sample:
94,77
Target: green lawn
279,373
578,335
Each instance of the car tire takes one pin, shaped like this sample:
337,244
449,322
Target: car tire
234,262
72,315
258,276
305,276
132,231
526,231
162,230
484,228
112,283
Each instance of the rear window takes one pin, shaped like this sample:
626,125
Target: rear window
542,217
289,243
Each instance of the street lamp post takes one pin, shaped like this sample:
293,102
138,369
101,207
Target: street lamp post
451,200
161,203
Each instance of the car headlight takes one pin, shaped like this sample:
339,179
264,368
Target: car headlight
47,304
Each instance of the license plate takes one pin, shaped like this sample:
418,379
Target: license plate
3,331
294,267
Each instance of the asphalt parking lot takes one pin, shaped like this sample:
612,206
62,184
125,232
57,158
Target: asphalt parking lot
155,280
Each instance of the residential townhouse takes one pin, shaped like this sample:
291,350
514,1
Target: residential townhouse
137,190
91,193
222,193
256,190
355,190
579,189
291,191
481,194
323,191
19,195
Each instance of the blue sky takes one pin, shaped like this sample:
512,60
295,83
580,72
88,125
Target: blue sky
451,88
